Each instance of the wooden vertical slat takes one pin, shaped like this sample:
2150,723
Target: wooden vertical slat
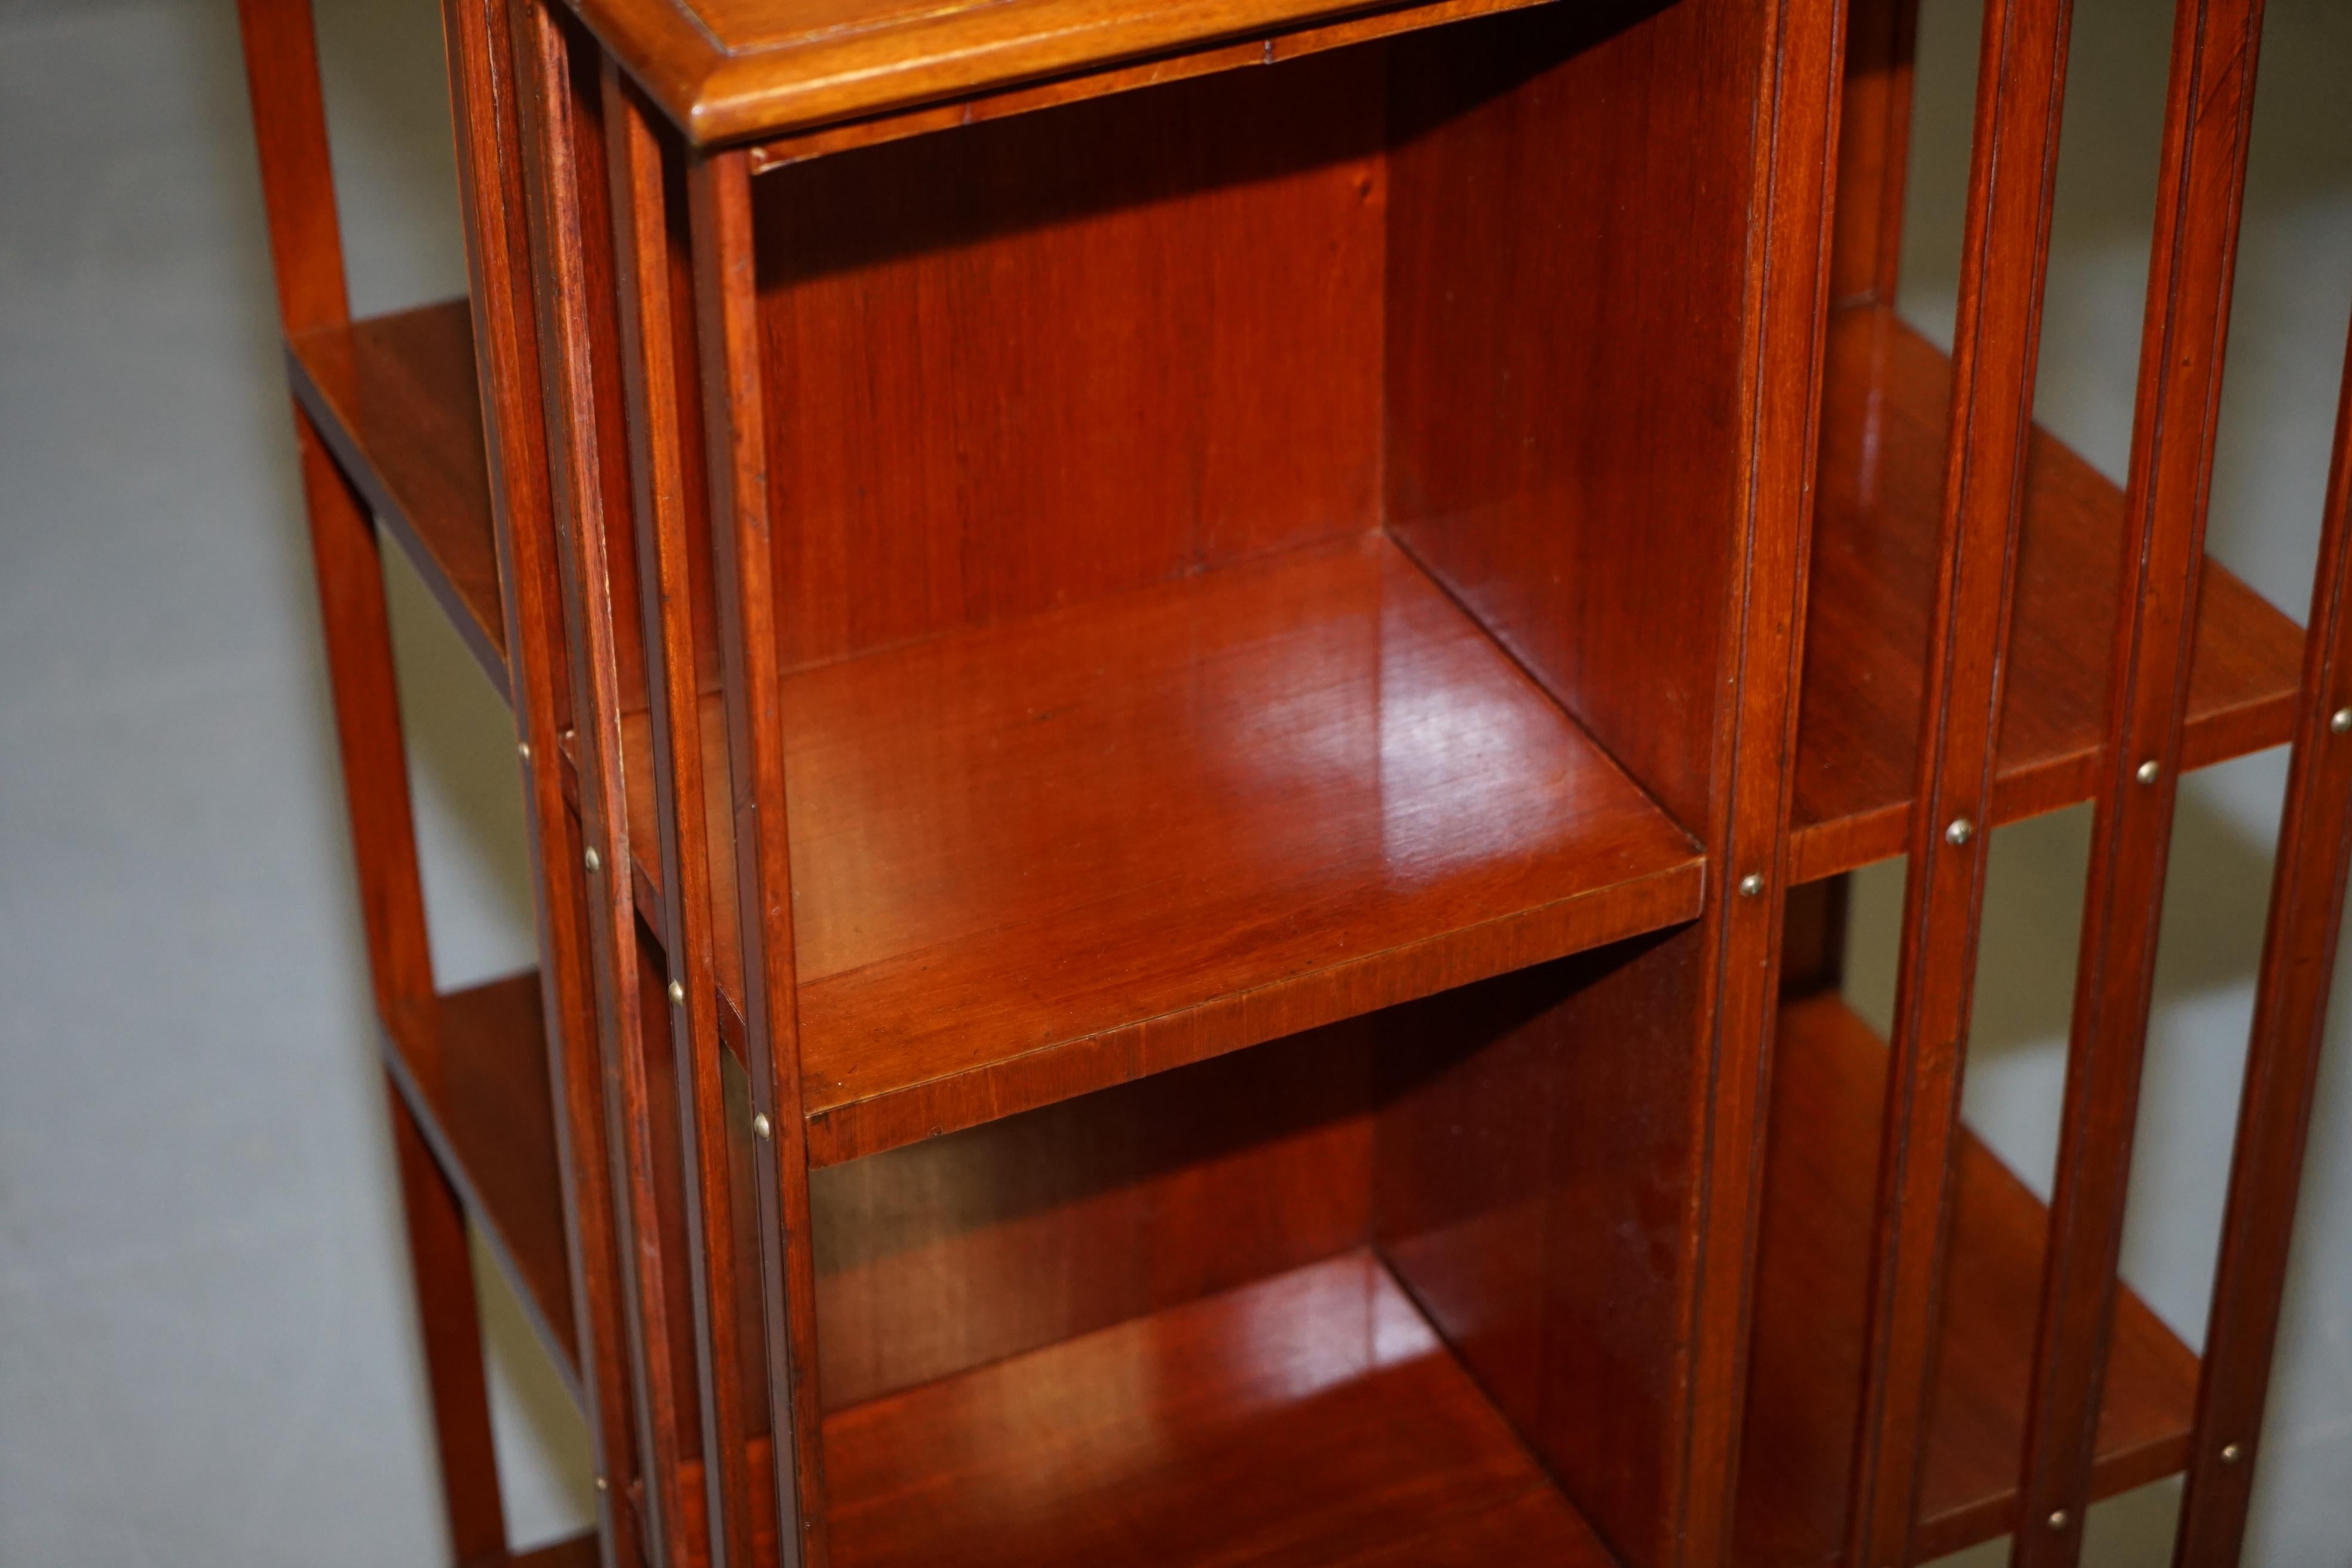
489,130
2022,70
1756,741
1874,150
305,252
735,433
2209,112
570,281
657,454
2299,949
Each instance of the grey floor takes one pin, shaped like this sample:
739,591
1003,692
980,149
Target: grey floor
206,1346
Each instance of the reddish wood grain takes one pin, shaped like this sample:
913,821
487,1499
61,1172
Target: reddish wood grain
960,1250
1874,148
734,426
1105,842
2299,952
1313,1418
2201,187
2013,175
394,398
483,92
1874,571
570,238
1132,340
1829,1085
489,1118
657,379
731,71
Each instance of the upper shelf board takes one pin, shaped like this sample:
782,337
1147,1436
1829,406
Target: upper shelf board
738,70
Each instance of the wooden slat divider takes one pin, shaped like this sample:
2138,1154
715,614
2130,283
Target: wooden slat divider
2290,1026
484,102
563,160
726,320
657,451
2022,71
2199,194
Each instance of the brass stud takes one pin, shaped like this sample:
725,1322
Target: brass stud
2340,720
2058,1518
2148,771
601,1484
678,992
595,862
760,1124
1960,831
522,750
2231,1453
1750,884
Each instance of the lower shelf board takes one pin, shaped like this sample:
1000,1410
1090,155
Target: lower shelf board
1821,1181
1311,1419
490,1117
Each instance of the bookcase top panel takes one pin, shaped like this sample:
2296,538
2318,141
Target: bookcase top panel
738,70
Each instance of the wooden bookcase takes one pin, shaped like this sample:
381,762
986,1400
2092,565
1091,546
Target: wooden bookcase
1194,682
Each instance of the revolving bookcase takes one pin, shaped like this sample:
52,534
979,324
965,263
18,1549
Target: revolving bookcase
1194,683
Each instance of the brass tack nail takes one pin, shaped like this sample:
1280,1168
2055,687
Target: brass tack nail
2149,772
600,1483
1750,884
1960,831
595,861
522,750
677,992
759,1124
2058,1519
2340,720
2231,1453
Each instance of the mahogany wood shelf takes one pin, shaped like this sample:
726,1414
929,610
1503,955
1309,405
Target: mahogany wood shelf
490,1121
395,398
1314,1417
1046,857
1819,1189
1883,417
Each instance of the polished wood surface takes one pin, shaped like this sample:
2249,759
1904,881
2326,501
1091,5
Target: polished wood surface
728,70
1829,1084
1874,568
658,380
483,72
1050,857
2209,117
394,396
2282,1060
1600,437
490,1120
961,1250
1995,337
955,863
735,458
1147,329
569,236
1310,1419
